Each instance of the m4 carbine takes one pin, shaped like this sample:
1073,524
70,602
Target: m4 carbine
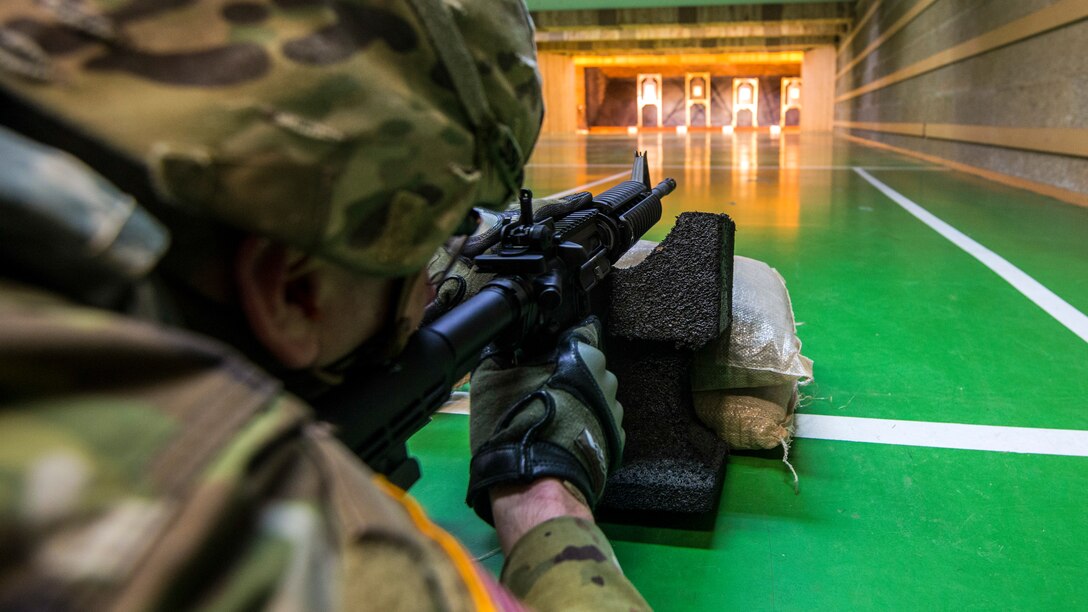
548,278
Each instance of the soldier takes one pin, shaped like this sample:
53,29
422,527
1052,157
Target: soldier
210,211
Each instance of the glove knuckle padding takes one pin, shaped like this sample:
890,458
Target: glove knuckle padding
571,371
495,394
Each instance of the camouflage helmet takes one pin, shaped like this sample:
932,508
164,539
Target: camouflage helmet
361,131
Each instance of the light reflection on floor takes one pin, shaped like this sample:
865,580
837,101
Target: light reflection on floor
759,180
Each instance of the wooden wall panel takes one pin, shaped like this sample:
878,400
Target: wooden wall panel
818,89
560,86
1059,141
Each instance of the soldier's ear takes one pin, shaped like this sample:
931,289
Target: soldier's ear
279,296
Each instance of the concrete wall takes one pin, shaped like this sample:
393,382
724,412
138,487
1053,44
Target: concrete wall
1000,86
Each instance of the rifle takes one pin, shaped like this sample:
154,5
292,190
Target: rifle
549,269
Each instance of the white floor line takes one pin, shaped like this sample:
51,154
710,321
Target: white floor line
1075,320
586,187
531,166
992,438
457,404
1066,442
821,168
751,168
454,408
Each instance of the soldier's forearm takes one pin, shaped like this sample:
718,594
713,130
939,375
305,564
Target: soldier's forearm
566,563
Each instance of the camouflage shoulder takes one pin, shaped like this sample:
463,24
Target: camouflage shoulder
107,424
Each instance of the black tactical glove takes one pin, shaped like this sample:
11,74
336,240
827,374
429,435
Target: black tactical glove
559,418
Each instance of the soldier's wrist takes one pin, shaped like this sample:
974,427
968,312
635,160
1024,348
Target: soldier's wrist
517,509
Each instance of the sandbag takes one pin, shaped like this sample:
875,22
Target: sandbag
764,349
757,418
746,388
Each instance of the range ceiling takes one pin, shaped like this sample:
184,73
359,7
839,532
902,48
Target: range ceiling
668,29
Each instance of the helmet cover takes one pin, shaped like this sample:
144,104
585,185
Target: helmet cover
338,128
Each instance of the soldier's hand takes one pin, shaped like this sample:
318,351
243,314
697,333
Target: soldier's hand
558,418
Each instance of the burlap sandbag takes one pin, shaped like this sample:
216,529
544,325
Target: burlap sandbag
754,418
746,389
763,349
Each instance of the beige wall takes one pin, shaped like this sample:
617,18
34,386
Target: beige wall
561,100
818,89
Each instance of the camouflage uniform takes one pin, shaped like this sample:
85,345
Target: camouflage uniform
149,467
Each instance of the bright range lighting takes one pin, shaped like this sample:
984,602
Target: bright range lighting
632,130
696,91
744,94
776,130
649,90
795,92
681,129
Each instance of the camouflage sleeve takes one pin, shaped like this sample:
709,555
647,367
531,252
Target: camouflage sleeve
567,564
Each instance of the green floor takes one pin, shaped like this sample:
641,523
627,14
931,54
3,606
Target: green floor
901,325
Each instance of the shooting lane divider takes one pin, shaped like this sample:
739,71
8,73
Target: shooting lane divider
962,436
1026,440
